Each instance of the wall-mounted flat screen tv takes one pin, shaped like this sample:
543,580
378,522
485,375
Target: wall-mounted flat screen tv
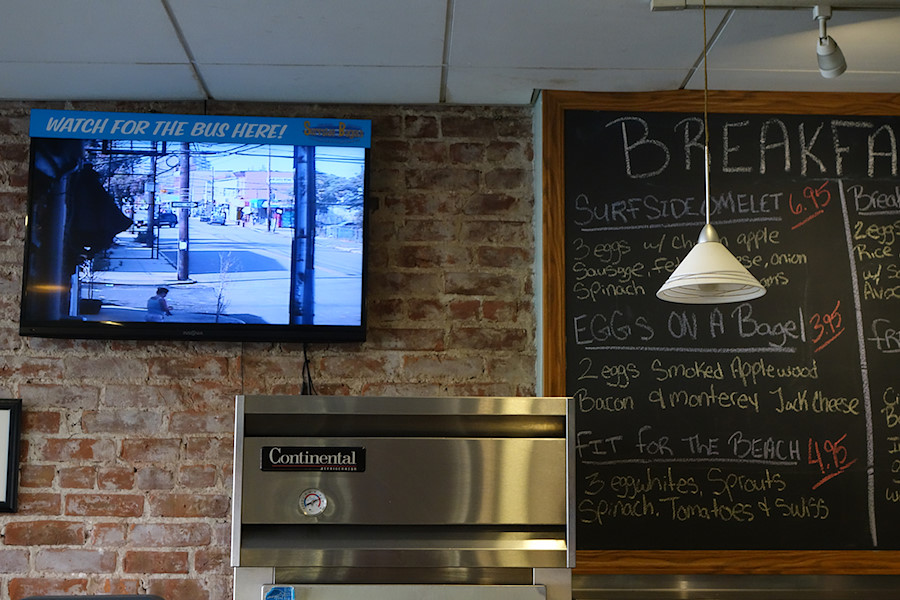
177,227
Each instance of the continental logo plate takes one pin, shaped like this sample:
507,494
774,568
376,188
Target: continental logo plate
313,458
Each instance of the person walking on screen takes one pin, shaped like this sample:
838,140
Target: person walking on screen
157,307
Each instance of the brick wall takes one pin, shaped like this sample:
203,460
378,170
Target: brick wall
125,482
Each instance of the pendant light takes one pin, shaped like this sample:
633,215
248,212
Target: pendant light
709,274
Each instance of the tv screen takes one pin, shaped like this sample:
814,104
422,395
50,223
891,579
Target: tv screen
164,226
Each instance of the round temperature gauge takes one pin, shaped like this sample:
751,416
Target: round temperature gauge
312,502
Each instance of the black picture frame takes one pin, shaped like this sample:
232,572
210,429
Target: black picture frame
10,430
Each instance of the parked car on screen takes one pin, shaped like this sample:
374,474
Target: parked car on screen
167,219
217,219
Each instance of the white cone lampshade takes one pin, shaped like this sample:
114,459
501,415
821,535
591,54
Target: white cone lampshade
710,274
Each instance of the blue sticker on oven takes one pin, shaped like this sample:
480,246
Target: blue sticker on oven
280,593
313,458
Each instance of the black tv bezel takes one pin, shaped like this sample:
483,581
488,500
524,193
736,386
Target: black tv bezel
78,329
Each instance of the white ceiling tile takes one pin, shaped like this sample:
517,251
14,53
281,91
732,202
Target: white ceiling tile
55,81
308,32
358,85
517,86
581,34
124,31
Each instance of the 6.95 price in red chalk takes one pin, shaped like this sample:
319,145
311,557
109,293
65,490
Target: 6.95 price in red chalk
811,205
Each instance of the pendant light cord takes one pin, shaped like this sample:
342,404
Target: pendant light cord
705,113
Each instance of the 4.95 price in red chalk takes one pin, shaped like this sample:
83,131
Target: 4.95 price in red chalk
831,456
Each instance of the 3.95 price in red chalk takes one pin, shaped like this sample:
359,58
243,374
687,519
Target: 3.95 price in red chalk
826,327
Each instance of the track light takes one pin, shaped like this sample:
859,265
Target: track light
831,59
829,55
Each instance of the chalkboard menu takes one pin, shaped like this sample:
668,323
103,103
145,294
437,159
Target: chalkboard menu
768,424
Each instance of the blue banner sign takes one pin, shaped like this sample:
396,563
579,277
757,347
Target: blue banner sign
200,128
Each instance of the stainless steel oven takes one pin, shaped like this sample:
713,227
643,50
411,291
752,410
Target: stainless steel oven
373,497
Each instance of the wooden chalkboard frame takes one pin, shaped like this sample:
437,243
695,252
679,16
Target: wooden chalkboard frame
554,105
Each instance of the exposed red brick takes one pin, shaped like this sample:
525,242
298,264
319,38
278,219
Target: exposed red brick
189,505
108,535
77,477
419,126
105,505
387,310
429,151
425,309
41,421
78,560
498,232
430,230
512,152
115,478
464,310
505,257
30,367
429,256
123,368
217,449
32,503
145,396
507,179
483,284
121,421
115,586
212,560
14,561
371,365
36,476
201,422
179,589
44,533
79,449
467,152
483,338
39,396
506,311
421,285
443,178
152,477
189,368
145,561
23,587
456,368
395,151
197,476
466,127
506,205
408,339
170,534
159,450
